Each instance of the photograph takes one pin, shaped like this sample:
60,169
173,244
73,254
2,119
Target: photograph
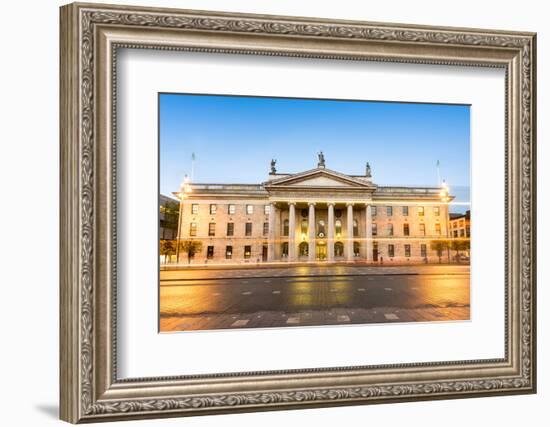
293,212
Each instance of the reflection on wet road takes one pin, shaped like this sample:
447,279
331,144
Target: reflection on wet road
242,299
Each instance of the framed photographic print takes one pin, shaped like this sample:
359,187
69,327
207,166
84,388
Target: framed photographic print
263,212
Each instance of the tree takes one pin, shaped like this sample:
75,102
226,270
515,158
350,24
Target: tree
167,248
191,247
439,246
461,245
457,246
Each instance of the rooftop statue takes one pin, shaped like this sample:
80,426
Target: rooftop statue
321,163
273,163
368,173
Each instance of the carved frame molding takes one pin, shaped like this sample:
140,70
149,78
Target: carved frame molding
90,37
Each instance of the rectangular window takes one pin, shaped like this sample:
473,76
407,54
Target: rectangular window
420,210
461,232
389,211
248,229
194,208
231,209
212,229
266,228
423,252
455,233
374,229
438,229
408,251
266,210
422,229
467,231
390,229
405,211
230,228
391,251
210,252
373,210
436,210
213,209
228,252
193,229
249,209
247,251
406,231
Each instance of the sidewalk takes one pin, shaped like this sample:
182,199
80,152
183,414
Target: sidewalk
311,270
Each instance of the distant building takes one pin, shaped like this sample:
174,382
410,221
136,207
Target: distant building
459,225
168,217
319,215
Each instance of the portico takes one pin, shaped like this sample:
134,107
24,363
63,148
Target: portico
323,210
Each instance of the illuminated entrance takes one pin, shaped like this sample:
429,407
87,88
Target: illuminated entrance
321,250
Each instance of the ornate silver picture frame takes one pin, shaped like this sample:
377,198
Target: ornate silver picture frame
91,390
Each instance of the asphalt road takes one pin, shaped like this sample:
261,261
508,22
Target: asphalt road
198,300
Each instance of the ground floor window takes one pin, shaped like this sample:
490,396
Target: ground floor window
210,252
391,251
356,248
407,251
339,249
304,249
229,252
247,251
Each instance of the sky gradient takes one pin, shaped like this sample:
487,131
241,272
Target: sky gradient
234,139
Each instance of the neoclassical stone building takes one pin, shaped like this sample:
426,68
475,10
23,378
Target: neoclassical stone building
319,215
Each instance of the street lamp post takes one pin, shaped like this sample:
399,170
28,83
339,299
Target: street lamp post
183,189
444,194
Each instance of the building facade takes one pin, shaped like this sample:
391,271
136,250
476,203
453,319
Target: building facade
459,225
319,215
168,217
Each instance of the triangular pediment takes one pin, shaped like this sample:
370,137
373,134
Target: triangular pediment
319,178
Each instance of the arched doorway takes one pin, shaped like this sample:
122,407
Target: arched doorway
321,250
356,249
338,249
303,249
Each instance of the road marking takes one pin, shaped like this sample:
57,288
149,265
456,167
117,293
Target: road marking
390,278
361,289
216,294
267,281
245,281
240,322
293,320
276,292
342,318
370,278
414,288
334,290
391,316
247,293
387,289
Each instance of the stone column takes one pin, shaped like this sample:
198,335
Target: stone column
349,241
368,233
311,232
271,234
292,231
330,239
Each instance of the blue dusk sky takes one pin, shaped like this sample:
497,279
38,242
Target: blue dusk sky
234,139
